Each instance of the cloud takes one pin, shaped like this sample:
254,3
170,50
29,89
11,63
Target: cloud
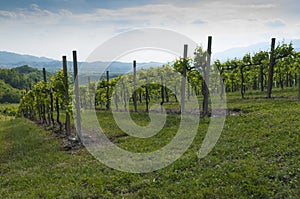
263,6
199,22
277,23
35,7
7,14
164,14
34,15
232,23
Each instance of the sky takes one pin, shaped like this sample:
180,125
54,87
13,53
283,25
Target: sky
53,28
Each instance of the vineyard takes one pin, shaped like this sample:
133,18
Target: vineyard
170,86
256,156
149,99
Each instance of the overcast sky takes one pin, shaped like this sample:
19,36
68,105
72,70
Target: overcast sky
53,28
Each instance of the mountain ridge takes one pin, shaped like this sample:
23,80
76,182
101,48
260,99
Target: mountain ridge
239,52
12,60
11,57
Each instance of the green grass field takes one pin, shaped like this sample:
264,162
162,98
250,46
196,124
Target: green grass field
256,156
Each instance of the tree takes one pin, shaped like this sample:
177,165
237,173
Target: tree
8,93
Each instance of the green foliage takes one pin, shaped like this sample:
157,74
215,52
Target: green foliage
21,77
26,70
168,76
8,111
14,81
40,103
8,93
251,72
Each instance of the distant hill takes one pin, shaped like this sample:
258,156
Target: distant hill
12,58
25,69
94,69
239,52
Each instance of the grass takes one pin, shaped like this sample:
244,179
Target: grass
256,156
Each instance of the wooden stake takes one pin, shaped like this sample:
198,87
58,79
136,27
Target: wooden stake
147,95
66,82
107,91
183,81
271,69
77,98
89,92
44,105
162,93
134,87
205,85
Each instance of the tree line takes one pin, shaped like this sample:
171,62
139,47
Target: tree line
13,82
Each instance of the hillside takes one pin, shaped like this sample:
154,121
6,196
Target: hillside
14,58
13,81
257,156
8,93
239,52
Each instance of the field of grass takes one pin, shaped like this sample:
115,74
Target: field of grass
256,156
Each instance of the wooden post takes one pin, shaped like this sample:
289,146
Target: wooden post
44,75
44,105
116,98
77,98
183,81
189,89
271,69
147,97
66,82
124,95
242,83
49,110
89,92
162,93
175,93
222,81
299,87
84,103
58,113
208,60
205,86
134,87
141,96
107,91
51,107
261,78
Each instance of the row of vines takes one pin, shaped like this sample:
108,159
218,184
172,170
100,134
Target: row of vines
168,86
48,101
